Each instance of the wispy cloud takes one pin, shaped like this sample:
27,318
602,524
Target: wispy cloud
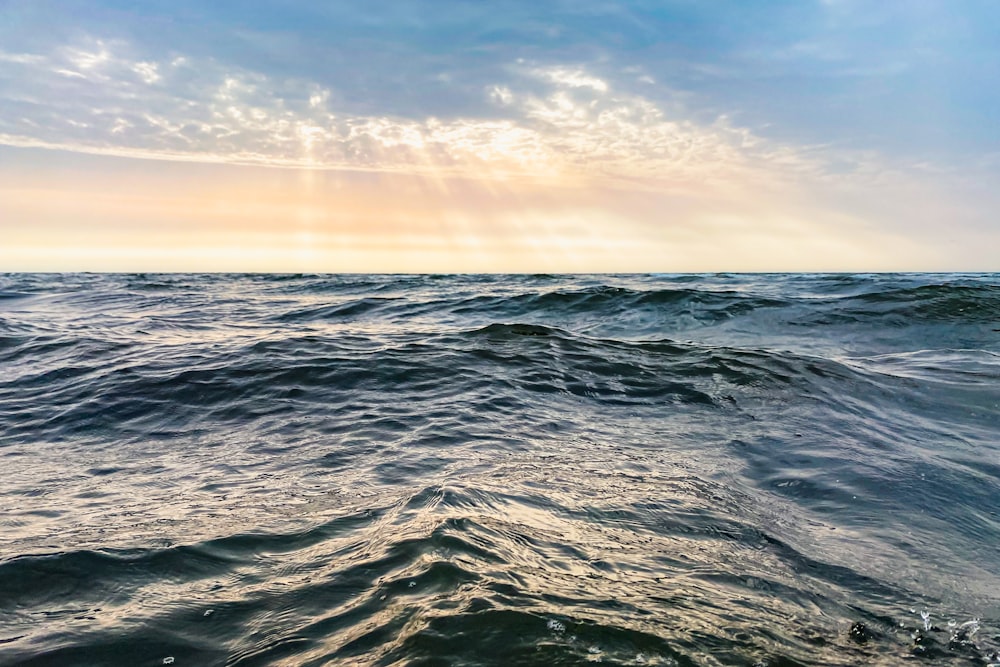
546,121
569,156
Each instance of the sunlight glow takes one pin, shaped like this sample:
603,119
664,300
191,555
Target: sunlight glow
204,166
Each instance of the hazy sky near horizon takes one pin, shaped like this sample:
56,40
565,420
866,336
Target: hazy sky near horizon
446,135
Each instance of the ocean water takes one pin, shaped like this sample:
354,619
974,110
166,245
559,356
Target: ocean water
768,470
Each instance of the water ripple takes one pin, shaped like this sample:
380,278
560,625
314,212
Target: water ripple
499,470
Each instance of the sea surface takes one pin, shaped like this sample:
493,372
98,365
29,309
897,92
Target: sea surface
766,470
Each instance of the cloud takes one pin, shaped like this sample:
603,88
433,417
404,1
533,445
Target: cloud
547,121
567,77
641,174
21,58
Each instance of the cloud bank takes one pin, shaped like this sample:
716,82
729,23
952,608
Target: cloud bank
561,160
561,121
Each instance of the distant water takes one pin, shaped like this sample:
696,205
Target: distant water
499,470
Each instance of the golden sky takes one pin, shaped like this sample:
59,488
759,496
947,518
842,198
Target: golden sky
126,214
162,154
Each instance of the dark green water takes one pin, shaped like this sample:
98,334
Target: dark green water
500,470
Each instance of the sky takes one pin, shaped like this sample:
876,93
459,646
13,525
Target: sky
505,136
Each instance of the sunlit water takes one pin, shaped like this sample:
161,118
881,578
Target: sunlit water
499,470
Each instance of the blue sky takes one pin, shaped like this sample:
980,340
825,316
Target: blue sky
825,115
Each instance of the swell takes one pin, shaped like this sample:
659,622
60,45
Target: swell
904,306
73,386
602,299
497,470
462,575
259,379
801,421
642,306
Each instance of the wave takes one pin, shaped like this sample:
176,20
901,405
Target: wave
906,306
453,573
688,470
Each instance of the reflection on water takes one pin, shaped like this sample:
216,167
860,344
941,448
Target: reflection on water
672,470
